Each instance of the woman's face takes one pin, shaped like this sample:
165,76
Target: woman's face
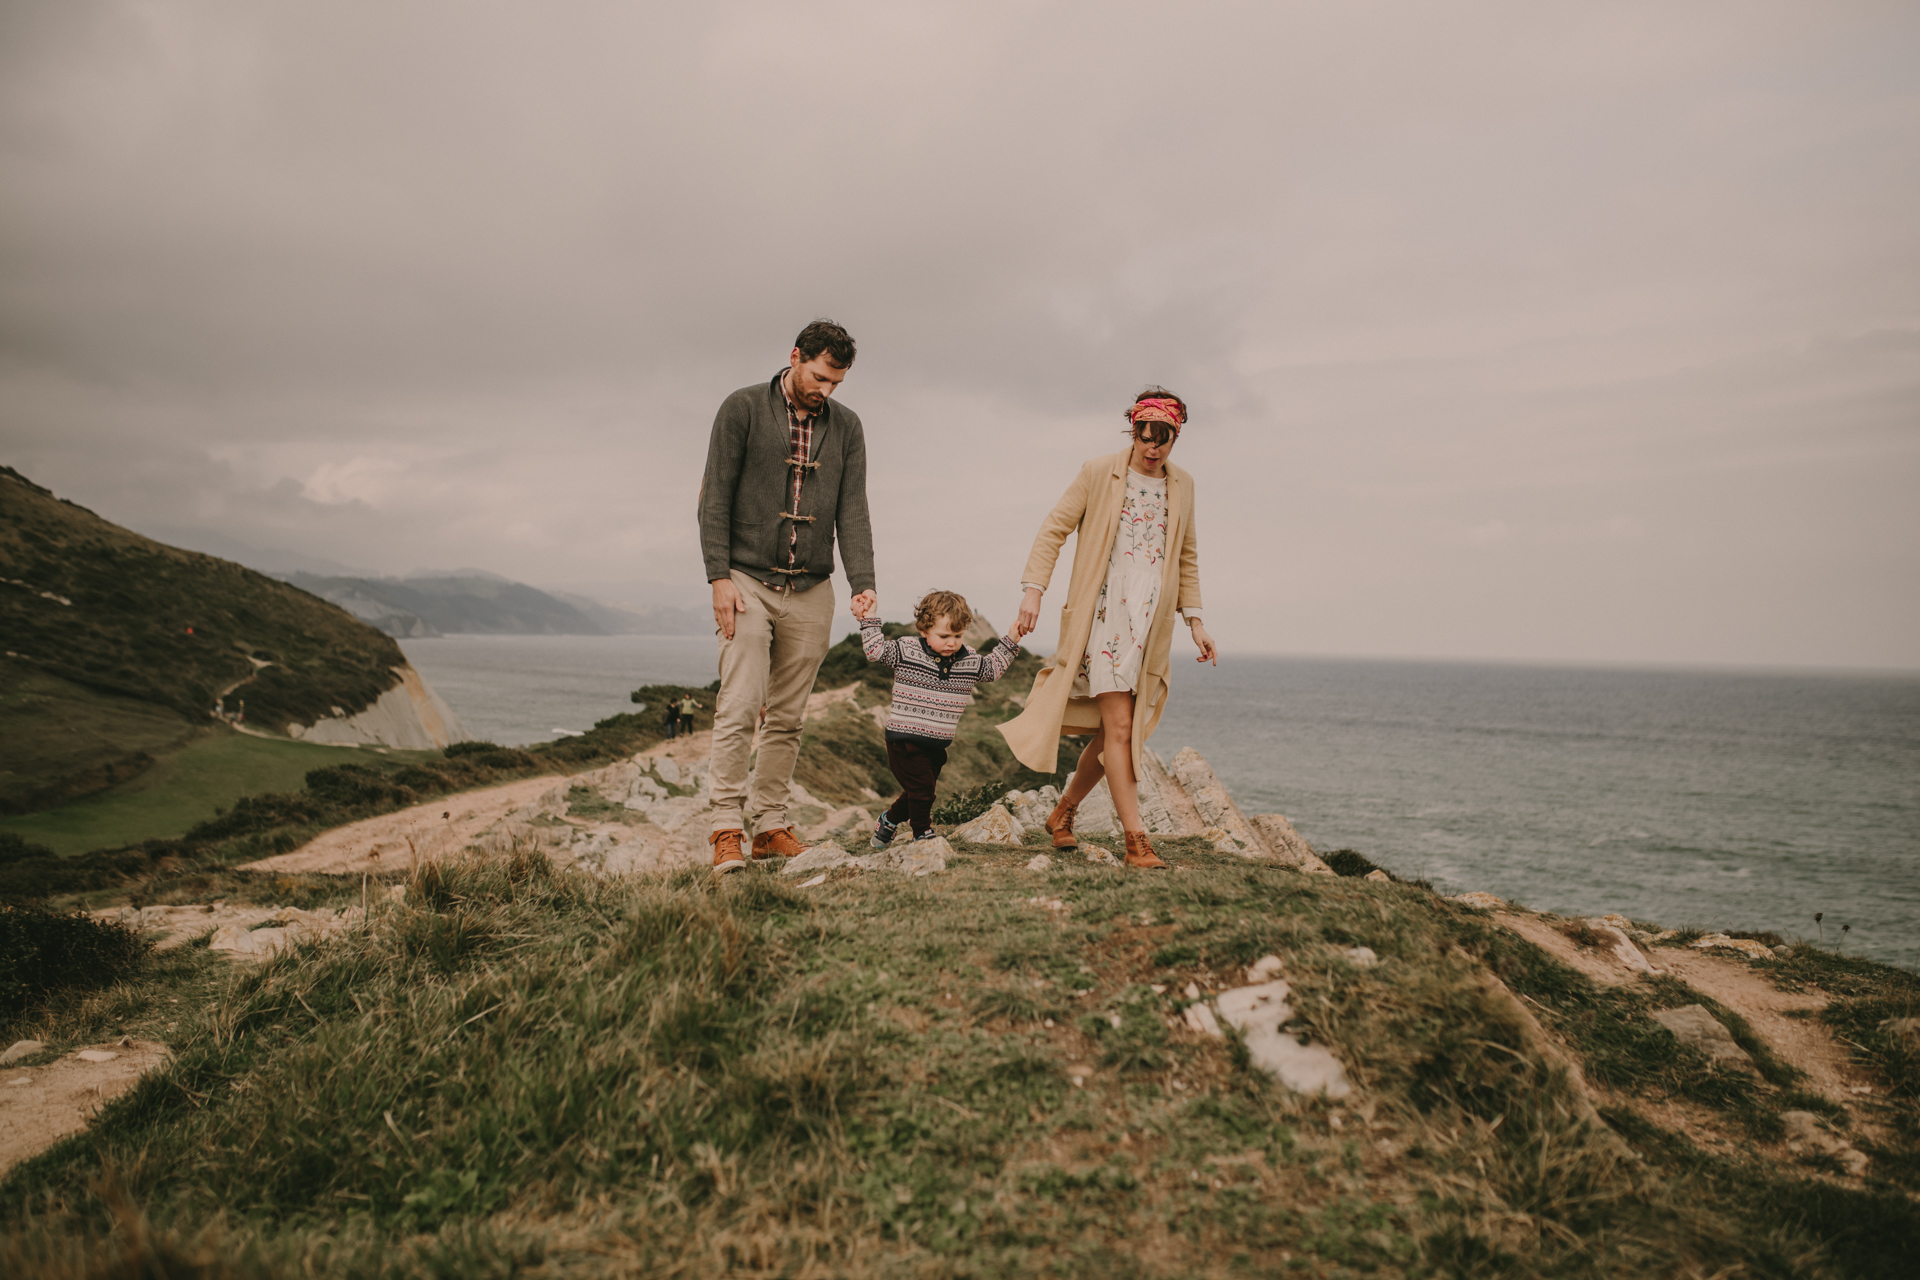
1153,441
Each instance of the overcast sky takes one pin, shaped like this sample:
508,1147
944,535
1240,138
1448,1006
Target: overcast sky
1511,331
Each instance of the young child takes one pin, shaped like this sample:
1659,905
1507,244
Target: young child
933,679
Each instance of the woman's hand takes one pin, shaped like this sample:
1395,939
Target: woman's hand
1200,637
1029,614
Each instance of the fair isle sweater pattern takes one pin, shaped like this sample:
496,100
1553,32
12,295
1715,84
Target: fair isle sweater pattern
930,693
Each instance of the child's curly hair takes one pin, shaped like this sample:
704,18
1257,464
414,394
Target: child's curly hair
936,605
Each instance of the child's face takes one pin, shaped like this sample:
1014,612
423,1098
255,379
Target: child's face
942,636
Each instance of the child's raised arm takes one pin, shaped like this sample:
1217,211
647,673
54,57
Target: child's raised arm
995,662
876,644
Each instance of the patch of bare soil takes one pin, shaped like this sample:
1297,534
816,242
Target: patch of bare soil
1801,1042
434,830
41,1105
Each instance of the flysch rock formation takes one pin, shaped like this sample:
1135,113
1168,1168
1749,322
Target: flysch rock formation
409,715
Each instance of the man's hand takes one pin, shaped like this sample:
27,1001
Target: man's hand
1029,616
865,605
726,604
1200,637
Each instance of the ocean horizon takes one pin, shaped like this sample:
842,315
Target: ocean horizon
1725,798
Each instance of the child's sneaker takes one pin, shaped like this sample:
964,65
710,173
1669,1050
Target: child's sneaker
883,832
928,834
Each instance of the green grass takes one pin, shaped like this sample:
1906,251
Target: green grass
519,1071
59,739
189,786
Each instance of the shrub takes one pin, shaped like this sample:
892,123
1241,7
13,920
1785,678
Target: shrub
44,951
1346,862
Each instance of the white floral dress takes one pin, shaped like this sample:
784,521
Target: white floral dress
1117,645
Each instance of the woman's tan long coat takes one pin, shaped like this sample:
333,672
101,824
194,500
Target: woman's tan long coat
1091,505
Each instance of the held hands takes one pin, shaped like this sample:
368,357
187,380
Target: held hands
1200,637
865,605
726,603
1029,616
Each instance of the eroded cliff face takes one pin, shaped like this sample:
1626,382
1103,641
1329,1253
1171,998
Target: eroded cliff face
409,715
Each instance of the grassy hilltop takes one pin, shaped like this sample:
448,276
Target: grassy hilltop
517,1070
117,647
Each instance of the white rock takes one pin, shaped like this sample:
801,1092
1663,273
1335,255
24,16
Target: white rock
1192,992
21,1080
1094,853
1201,1019
1363,957
1692,1025
817,880
1378,876
1746,946
96,1055
669,770
995,826
1040,862
1479,901
824,856
1259,1012
1286,845
1264,969
1212,801
910,857
1032,808
20,1049
1096,816
1620,947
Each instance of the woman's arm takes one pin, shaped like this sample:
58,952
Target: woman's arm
1189,604
1061,521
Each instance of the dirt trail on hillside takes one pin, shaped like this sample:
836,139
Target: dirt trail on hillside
442,828
41,1105
1801,1042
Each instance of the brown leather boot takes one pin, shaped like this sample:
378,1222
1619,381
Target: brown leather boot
1140,853
726,850
1059,825
777,843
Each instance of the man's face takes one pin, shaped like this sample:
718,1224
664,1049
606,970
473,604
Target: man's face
813,380
944,639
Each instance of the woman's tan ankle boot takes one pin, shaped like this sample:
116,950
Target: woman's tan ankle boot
1059,825
1140,853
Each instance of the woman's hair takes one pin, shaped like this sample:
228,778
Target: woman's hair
936,605
1158,432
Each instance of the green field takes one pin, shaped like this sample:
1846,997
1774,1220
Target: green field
186,787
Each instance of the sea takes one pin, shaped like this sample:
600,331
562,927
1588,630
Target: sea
1690,798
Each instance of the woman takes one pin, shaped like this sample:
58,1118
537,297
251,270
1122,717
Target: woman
1136,563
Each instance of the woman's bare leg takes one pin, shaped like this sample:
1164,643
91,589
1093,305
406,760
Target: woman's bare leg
1116,726
1087,774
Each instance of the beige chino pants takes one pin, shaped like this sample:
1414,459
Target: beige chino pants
771,661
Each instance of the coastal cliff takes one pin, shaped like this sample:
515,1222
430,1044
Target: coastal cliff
121,650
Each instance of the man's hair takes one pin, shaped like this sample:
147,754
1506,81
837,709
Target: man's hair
825,335
1157,431
936,605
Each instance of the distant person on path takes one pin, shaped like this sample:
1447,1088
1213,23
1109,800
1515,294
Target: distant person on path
786,471
933,679
1136,563
685,710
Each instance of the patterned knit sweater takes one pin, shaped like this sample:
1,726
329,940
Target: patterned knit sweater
931,692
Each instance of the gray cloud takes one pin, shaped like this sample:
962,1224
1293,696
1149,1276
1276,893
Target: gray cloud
1511,330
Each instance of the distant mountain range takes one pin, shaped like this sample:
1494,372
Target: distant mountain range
470,602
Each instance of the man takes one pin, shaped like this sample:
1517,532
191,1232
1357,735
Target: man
786,471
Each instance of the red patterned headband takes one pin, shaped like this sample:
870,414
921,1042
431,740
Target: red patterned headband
1156,408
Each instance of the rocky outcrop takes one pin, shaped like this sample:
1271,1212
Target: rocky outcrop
1693,1026
409,715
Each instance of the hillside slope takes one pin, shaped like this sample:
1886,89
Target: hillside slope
118,646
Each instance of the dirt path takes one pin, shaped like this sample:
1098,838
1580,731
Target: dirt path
41,1105
1801,1042
441,828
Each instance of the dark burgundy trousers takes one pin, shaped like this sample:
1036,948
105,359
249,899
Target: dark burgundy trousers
916,765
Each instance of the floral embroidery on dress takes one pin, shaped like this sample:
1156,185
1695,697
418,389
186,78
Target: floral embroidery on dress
1123,616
